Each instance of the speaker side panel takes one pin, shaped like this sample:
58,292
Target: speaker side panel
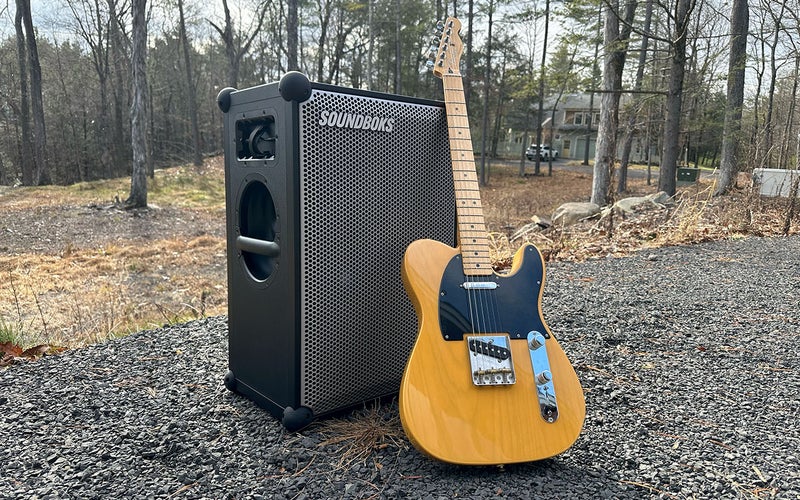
260,174
375,175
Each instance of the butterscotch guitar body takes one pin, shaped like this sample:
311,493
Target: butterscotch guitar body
444,412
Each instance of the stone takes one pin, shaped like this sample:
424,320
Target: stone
573,212
641,203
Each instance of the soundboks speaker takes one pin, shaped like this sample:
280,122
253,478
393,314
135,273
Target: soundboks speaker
325,188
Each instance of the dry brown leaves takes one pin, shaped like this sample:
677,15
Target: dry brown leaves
11,353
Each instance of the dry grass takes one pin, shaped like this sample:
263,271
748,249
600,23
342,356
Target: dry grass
76,291
88,295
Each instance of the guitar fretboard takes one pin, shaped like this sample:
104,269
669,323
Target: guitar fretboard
471,227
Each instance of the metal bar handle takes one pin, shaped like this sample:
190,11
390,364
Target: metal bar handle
261,247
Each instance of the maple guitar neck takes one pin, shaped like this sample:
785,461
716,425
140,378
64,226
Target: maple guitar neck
473,241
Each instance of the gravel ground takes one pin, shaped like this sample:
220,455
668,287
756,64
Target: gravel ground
688,356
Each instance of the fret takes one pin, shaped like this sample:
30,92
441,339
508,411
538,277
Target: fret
477,227
460,143
471,210
460,120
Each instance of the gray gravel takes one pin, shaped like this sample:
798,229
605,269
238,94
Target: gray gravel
688,356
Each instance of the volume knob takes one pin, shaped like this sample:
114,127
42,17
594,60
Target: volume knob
536,341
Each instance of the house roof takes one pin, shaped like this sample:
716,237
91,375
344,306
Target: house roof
578,101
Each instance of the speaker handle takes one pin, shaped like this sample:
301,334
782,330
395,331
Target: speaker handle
261,247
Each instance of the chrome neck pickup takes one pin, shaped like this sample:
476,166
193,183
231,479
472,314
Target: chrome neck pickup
479,285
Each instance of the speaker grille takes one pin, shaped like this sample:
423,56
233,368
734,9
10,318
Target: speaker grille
365,195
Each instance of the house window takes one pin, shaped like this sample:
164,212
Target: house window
596,118
578,119
565,146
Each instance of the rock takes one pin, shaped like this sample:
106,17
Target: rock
640,203
572,212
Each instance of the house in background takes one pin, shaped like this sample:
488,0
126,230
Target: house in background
570,129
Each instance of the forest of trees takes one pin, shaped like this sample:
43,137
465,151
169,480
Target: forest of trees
74,106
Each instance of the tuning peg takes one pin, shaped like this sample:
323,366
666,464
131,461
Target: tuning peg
429,64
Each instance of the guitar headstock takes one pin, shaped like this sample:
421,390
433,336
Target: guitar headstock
445,53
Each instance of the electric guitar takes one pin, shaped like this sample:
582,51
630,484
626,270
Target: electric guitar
486,382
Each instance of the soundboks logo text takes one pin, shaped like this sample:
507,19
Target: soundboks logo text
356,121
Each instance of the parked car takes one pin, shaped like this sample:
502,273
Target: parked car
544,151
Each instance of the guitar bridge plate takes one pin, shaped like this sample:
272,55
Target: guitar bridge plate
490,360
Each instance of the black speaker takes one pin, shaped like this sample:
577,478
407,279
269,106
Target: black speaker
325,188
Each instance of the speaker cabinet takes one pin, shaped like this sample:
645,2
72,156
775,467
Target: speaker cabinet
325,188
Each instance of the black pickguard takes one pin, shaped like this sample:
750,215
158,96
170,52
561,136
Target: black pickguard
510,308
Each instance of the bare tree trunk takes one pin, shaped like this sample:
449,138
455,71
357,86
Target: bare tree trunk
537,157
560,94
338,53
615,41
226,34
672,124
469,65
525,136
73,169
117,51
622,180
237,45
397,49
371,43
197,155
291,36
41,172
783,152
731,134
499,109
486,85
138,195
766,158
26,152
595,71
760,70
324,8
